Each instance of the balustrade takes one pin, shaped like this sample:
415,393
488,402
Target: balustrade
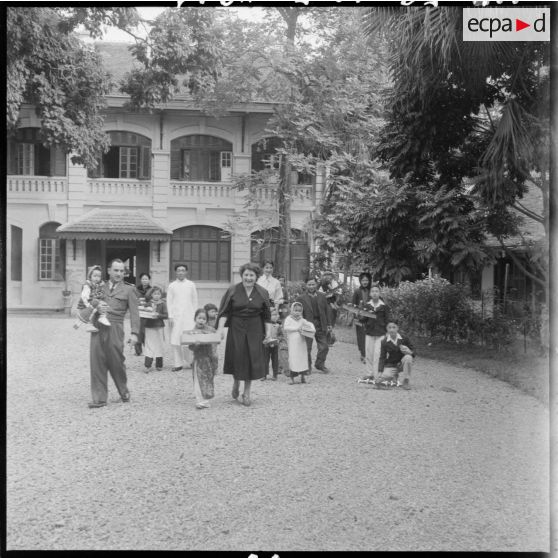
38,186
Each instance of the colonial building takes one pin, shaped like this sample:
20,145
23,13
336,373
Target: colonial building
161,195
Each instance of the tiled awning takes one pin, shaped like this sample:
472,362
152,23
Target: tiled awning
114,224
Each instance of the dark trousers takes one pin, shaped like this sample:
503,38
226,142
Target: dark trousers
271,353
107,354
323,349
361,340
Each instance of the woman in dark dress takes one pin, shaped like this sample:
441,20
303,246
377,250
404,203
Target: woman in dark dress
143,290
360,298
245,310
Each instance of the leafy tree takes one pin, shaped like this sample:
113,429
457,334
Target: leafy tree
50,68
466,120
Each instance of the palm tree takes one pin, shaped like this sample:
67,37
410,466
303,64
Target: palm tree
504,88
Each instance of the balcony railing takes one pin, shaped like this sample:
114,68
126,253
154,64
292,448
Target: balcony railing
51,187
118,189
201,192
302,195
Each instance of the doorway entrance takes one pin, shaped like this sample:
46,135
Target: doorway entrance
134,254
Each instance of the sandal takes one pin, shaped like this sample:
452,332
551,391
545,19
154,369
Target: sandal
246,400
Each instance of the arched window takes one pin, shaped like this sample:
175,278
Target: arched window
205,250
265,156
29,157
129,156
264,247
199,157
52,254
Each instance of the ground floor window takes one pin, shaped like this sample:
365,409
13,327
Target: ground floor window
52,254
205,250
264,247
16,255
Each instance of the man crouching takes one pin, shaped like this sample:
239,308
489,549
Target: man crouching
396,358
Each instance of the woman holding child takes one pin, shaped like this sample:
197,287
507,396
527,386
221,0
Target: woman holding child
245,310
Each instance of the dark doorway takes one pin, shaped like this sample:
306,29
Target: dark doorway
134,254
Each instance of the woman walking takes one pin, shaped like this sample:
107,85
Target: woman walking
360,298
245,310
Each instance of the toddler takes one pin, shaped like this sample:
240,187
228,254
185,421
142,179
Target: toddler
204,365
92,289
212,312
154,331
296,342
271,349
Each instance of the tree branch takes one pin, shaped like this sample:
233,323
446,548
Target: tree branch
527,212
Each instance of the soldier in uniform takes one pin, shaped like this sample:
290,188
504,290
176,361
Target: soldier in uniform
107,346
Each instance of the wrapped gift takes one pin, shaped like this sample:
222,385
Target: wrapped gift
308,330
148,314
193,336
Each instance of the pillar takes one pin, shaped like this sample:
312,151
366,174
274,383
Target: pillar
161,184
77,190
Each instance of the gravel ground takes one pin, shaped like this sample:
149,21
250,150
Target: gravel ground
460,462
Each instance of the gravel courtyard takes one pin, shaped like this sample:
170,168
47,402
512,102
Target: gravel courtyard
461,462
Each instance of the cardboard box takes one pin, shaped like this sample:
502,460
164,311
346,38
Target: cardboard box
190,337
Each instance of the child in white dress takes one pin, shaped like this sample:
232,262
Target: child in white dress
293,328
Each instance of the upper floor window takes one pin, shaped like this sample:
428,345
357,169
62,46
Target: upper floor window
29,157
265,156
129,156
52,254
199,157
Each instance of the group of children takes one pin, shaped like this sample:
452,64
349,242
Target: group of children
286,350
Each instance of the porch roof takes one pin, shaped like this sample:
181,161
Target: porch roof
114,224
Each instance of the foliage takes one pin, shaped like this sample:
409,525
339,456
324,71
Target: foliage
466,117
50,68
438,310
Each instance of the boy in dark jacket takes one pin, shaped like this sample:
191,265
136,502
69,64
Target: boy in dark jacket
396,358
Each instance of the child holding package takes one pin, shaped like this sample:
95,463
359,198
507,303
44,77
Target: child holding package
271,349
293,328
204,366
92,289
154,331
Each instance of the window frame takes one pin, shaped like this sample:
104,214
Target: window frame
195,237
199,158
52,252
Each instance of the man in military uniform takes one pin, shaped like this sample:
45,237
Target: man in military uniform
107,346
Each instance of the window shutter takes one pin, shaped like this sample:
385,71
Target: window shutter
214,165
145,162
11,157
57,162
176,163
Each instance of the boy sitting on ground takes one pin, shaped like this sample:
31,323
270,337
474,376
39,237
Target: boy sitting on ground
396,358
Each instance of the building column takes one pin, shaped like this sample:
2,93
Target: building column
241,163
159,255
161,184
77,189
